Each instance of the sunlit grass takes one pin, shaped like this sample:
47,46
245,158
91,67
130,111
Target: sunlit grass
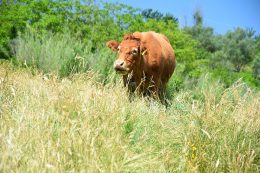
76,124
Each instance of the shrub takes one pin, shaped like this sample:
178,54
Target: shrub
61,53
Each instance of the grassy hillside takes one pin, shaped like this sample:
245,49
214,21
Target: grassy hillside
76,124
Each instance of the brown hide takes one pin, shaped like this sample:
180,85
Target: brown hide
146,60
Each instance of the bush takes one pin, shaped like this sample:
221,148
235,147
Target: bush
226,76
249,79
61,53
256,67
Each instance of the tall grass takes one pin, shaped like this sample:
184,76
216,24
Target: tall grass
77,124
61,53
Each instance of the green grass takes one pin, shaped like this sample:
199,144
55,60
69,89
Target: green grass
77,124
61,53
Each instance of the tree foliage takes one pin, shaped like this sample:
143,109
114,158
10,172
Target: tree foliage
229,54
237,48
198,17
256,67
151,14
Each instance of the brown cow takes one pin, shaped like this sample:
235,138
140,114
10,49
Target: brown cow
146,60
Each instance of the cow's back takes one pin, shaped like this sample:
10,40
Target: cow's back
161,54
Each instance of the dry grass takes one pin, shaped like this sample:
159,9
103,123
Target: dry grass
78,125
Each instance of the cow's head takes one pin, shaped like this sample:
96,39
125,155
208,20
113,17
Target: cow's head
129,53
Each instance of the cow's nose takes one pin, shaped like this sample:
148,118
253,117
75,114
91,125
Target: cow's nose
118,64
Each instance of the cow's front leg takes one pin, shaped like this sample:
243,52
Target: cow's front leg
130,83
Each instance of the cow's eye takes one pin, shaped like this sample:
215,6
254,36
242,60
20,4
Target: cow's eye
135,51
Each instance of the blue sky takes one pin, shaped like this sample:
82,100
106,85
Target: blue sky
222,15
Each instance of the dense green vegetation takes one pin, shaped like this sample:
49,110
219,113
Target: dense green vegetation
81,28
63,108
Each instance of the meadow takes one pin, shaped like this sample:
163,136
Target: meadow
64,109
77,124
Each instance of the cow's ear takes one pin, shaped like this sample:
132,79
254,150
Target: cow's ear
112,44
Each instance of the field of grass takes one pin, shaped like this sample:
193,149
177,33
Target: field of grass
77,124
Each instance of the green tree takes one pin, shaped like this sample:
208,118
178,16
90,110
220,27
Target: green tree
151,14
238,48
15,15
13,18
89,20
198,17
256,67
204,35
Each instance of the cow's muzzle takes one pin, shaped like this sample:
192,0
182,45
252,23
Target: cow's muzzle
120,67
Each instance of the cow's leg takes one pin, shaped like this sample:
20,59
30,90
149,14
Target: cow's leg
157,90
162,96
152,87
125,80
131,86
